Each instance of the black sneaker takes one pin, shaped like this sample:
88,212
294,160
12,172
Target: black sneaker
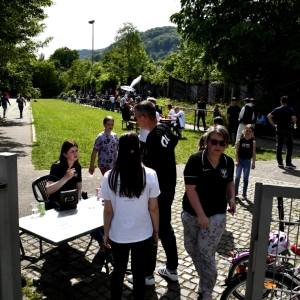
280,165
291,166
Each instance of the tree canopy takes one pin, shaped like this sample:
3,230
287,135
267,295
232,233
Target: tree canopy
64,57
20,24
250,41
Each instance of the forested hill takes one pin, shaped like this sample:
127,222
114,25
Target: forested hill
159,43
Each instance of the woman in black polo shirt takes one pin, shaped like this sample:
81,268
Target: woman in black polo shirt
209,186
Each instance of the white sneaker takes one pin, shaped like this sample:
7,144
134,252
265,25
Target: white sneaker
149,280
163,271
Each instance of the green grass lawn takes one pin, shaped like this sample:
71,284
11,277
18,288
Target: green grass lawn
56,121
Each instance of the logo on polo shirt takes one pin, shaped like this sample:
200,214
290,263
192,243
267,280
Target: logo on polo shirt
223,173
165,141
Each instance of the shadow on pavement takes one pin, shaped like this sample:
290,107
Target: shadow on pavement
9,145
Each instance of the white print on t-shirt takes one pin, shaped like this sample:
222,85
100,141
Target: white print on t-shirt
165,141
244,145
224,173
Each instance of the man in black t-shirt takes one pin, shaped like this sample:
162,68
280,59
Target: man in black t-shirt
283,116
159,154
233,112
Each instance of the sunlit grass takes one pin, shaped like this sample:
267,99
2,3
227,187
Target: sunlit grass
56,121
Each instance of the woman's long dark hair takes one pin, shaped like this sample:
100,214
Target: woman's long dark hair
129,167
66,146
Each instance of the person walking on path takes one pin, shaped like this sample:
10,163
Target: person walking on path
4,101
245,150
131,221
21,101
201,113
246,117
233,112
282,118
159,154
209,188
106,145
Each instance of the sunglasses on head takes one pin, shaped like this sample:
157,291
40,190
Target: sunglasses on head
216,142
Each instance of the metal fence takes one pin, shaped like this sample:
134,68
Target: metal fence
269,215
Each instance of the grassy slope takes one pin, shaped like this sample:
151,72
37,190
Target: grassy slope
56,120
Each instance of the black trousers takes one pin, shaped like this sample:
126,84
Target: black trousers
201,115
284,136
232,129
166,234
21,107
139,254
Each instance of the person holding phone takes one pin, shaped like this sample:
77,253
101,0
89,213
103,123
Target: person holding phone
131,219
209,189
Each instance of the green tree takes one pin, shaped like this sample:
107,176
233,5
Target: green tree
250,41
46,78
20,24
64,57
132,51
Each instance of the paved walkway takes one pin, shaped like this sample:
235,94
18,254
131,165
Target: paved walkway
89,279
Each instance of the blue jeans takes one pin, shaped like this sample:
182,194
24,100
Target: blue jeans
244,164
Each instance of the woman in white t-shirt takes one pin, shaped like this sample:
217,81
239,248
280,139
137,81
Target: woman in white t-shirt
131,221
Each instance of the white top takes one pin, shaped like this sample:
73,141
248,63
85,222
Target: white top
112,99
143,134
171,112
131,221
181,118
157,116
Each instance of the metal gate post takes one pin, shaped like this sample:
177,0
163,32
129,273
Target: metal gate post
10,267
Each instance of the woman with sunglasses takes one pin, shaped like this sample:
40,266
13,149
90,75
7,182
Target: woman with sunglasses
209,187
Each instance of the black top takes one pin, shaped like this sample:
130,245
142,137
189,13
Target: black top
126,113
56,173
283,117
210,183
248,115
246,148
233,112
159,154
201,105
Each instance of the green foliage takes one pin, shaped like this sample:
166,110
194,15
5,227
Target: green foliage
160,42
63,58
46,78
250,41
20,24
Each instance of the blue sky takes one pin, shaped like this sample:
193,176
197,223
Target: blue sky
68,20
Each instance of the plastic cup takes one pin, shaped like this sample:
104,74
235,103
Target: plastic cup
34,209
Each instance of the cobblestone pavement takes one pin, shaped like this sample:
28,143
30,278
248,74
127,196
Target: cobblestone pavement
88,278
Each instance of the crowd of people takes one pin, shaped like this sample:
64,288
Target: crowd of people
139,181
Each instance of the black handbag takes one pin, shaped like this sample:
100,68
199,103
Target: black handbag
68,200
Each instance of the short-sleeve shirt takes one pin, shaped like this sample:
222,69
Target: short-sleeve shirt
201,105
131,220
57,172
233,111
159,155
107,146
283,117
210,183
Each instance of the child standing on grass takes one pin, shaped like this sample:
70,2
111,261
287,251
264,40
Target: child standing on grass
106,145
245,150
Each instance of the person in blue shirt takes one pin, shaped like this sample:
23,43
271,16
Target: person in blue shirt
260,124
3,102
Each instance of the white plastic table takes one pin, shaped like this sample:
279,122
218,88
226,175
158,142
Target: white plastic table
59,227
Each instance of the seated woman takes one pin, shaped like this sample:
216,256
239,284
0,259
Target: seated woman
65,174
131,221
